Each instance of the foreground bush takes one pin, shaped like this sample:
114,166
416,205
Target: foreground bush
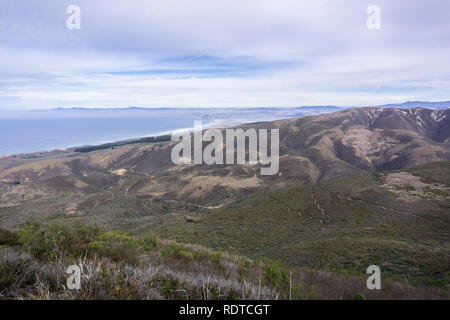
115,265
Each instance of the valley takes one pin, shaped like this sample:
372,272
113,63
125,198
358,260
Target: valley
355,187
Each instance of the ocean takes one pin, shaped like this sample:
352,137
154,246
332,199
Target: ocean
41,134
44,130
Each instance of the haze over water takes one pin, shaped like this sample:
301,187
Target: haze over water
54,129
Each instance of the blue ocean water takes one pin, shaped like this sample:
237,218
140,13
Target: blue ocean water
44,130
40,134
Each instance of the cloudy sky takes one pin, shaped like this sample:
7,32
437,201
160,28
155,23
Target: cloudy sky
214,53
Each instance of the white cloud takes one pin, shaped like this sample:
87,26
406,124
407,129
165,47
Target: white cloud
222,53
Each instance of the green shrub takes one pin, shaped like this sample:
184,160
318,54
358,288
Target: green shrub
275,274
44,241
149,242
244,268
96,245
186,254
119,246
177,250
360,296
172,249
216,256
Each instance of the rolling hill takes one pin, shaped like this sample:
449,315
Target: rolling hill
355,187
312,149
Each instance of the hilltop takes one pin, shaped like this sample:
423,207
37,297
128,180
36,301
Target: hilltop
312,149
356,187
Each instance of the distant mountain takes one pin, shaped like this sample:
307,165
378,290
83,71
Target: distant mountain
358,140
419,104
440,105
228,116
221,116
312,110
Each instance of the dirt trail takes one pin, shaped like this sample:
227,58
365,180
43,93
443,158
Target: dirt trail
198,205
316,203
102,202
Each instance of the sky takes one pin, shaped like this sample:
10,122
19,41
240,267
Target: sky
216,53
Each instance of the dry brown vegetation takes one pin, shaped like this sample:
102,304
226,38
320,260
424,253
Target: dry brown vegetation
331,207
312,149
116,266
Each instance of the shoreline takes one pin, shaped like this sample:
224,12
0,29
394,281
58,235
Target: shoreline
101,145
121,141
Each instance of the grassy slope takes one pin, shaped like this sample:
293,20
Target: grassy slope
115,265
362,224
343,225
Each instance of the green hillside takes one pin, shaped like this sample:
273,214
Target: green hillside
114,265
399,220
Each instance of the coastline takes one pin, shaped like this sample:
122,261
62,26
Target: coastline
124,140
120,142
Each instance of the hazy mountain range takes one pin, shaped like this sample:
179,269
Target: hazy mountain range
419,104
220,113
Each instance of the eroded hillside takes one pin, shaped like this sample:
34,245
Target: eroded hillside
333,205
312,149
